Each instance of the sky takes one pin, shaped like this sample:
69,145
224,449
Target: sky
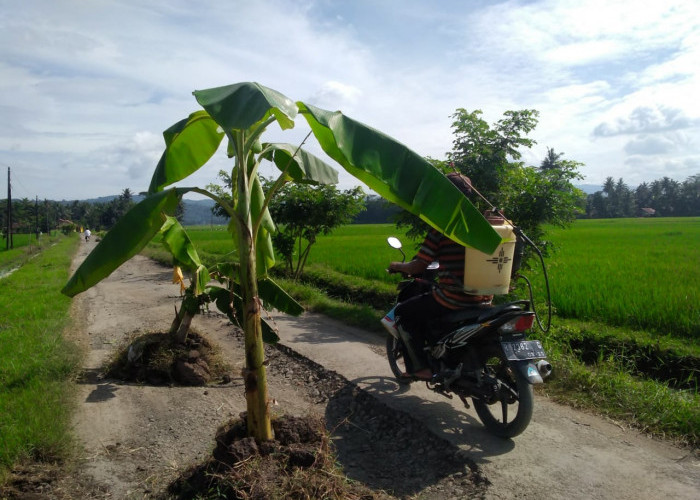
88,86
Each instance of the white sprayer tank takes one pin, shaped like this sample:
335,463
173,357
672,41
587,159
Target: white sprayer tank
486,274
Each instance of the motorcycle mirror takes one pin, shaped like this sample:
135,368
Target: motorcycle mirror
394,242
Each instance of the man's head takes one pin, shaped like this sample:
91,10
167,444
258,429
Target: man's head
462,182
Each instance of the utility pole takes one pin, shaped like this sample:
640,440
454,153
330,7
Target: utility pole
46,207
10,242
36,217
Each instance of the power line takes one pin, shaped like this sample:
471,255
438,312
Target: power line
25,193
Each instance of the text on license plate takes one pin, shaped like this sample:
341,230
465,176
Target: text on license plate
524,349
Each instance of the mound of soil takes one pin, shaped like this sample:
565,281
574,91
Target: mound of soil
155,359
298,463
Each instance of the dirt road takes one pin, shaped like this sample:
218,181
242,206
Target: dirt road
135,439
564,453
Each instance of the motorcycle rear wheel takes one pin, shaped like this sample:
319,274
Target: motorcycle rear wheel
396,354
495,416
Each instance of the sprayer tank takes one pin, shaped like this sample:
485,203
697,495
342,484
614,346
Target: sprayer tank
486,274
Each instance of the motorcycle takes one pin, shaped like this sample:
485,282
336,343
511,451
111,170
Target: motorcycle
481,352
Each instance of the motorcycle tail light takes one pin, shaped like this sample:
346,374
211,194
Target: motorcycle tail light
519,324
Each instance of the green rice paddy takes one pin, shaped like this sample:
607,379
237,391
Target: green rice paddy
637,273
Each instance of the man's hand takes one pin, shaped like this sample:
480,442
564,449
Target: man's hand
411,267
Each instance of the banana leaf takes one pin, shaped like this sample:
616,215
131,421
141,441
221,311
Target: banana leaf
265,254
301,167
128,236
189,144
273,296
401,176
242,105
230,303
225,301
178,243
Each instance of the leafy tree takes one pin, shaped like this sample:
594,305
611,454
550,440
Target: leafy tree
112,211
596,205
690,195
377,211
530,196
303,212
642,197
668,198
242,113
491,157
551,161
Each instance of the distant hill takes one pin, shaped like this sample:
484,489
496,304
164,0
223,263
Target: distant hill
589,188
197,212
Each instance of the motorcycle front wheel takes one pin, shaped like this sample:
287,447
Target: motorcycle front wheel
508,413
396,354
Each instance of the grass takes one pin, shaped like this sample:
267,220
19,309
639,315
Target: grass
37,364
25,246
361,250
608,388
641,273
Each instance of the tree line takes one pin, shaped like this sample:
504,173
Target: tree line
663,198
44,216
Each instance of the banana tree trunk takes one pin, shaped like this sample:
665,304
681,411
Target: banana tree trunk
180,326
184,328
259,425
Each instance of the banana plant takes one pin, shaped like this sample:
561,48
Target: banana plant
242,113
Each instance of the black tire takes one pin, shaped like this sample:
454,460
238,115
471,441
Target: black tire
495,416
396,354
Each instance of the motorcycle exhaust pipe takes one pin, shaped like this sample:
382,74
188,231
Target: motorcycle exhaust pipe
544,367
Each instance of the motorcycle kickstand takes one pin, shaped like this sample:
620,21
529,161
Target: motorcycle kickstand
438,390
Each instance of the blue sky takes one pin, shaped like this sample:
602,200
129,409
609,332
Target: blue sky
87,87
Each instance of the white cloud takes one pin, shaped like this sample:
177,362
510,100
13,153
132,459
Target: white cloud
647,120
650,145
335,95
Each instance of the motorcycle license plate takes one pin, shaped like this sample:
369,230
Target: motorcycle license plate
524,349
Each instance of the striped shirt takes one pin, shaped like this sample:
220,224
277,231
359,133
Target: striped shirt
450,255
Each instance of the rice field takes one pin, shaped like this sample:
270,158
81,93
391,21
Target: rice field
639,273
24,247
361,250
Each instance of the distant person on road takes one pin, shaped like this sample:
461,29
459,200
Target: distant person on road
87,235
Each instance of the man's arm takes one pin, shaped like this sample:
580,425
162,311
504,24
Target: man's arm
412,267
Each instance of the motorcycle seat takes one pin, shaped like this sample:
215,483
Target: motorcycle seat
470,313
480,313
498,310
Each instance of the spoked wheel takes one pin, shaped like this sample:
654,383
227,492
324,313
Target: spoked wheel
395,352
509,412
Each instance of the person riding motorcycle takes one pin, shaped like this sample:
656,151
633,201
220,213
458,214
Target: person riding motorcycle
414,315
